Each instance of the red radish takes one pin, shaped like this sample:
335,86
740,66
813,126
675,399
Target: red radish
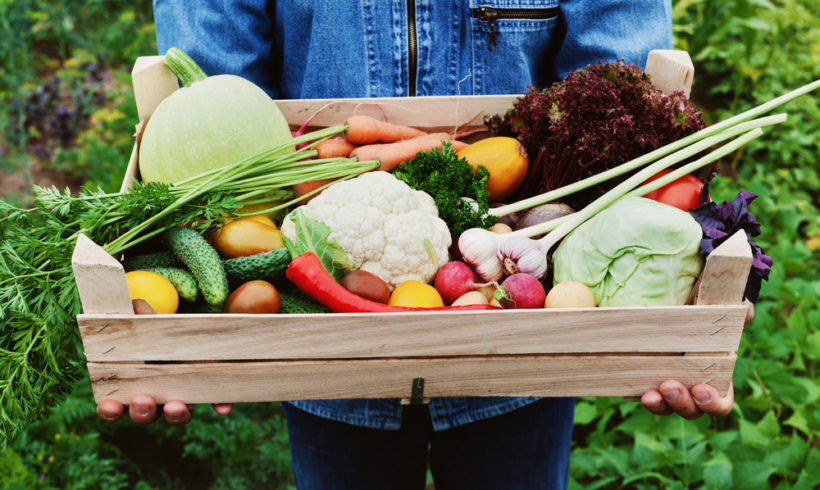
454,279
522,290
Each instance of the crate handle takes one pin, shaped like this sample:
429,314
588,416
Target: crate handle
100,279
725,273
153,81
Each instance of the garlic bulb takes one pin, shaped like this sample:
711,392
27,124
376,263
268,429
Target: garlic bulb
479,248
521,254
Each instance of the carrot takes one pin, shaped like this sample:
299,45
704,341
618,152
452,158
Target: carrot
459,145
366,130
391,155
309,189
334,148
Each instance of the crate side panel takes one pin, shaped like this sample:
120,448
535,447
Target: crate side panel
612,375
435,112
233,337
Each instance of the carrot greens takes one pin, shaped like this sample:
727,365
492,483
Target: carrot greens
40,349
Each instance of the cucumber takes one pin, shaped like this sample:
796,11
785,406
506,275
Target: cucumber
295,301
199,307
202,260
269,266
183,281
165,258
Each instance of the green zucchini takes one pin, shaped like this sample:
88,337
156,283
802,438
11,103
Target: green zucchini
202,260
268,266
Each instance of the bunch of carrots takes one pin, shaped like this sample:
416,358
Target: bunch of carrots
366,138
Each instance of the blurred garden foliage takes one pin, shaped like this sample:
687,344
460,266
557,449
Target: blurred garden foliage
67,113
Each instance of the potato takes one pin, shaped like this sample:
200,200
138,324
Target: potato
570,294
471,298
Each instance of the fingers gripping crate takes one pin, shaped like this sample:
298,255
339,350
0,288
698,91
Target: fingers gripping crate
210,358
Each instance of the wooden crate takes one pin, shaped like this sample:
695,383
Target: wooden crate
207,358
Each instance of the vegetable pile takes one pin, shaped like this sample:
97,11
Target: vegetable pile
394,220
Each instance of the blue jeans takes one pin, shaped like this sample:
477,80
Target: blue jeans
522,449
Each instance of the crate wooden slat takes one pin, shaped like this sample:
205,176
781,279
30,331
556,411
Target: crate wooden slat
251,358
567,375
116,338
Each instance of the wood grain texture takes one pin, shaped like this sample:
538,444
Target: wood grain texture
581,330
725,273
153,81
431,113
100,279
670,70
597,375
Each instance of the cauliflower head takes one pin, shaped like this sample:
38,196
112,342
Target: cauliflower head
385,226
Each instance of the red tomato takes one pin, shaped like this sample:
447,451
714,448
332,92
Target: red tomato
683,193
246,236
253,297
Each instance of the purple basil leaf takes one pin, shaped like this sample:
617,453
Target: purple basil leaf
720,221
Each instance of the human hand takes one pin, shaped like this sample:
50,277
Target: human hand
672,397
143,410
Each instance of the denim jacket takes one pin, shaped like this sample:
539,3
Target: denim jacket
377,48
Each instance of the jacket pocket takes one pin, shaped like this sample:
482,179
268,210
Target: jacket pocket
491,16
513,45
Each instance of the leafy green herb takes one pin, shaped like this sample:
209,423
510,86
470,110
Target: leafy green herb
314,236
449,180
40,349
721,221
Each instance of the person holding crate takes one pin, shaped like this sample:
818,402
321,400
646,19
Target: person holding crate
327,49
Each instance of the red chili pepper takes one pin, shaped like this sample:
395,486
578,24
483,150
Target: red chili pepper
307,273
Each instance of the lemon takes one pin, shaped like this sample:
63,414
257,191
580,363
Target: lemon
154,289
415,294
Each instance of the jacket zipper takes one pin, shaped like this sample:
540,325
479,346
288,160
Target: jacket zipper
491,15
412,47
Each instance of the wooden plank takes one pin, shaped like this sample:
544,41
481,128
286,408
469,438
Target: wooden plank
100,279
725,273
228,337
153,82
430,112
670,70
392,378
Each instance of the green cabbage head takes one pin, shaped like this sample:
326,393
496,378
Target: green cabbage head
637,252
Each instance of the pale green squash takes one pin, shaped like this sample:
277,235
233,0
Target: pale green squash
210,122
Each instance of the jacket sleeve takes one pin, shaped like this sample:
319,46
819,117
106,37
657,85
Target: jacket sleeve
609,30
233,37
